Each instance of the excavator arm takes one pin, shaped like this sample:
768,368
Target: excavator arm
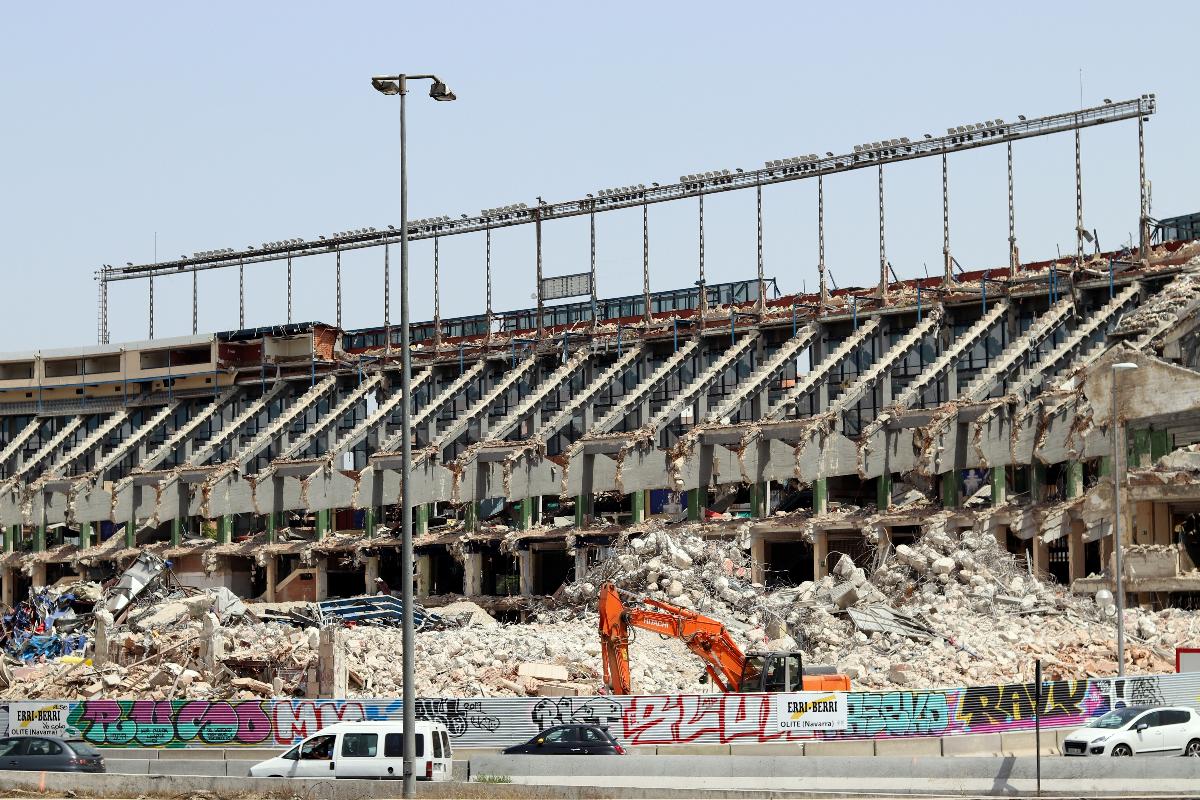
704,636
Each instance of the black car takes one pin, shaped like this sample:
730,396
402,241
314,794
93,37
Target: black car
49,754
570,740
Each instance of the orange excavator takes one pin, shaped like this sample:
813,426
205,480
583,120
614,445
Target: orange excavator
724,662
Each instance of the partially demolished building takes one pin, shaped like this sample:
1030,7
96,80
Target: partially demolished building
267,460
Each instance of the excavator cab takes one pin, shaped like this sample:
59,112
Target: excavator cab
772,672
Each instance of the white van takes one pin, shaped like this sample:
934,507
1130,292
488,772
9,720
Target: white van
363,750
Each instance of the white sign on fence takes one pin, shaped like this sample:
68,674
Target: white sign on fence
39,719
812,711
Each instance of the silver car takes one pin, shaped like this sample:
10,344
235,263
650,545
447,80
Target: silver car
1138,730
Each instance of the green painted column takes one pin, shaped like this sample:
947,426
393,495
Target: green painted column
369,521
177,531
820,493
131,533
322,522
12,534
525,514
883,491
1159,444
270,528
471,518
421,520
1037,481
1141,448
225,529
638,501
39,537
696,504
1106,466
1074,479
999,480
583,511
85,535
950,489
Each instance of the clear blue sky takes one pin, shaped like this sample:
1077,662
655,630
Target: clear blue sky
227,124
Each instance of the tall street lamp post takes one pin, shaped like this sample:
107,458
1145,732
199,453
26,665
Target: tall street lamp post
398,85
1118,468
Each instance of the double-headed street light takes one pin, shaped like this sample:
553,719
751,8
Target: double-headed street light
398,85
1117,477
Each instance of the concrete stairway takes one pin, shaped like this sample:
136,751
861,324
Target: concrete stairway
160,453
48,449
1061,356
17,442
529,405
134,439
564,415
385,409
301,442
640,392
867,379
700,383
959,347
763,374
806,383
206,451
434,406
507,381
93,440
276,427
978,389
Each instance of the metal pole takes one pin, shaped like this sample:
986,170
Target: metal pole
102,333
151,308
289,288
241,295
1116,472
947,263
702,298
406,549
1013,266
824,298
1144,213
595,299
488,270
537,231
1078,204
883,276
646,259
1037,720
338,270
195,304
762,284
437,297
387,298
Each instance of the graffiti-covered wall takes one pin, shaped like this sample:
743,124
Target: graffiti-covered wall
651,720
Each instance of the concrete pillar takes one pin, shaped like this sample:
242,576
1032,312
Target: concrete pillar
272,518
369,521
820,554
421,519
883,491
1141,448
580,561
1041,556
637,500
758,557
999,478
131,532
323,522
212,642
424,574
12,535
370,573
471,516
820,493
1105,466
272,569
950,489
103,620
1159,444
1075,552
85,535
697,500
1037,481
39,537
322,587
525,567
1074,479
37,574
524,510
332,670
473,574
758,500
225,529
583,511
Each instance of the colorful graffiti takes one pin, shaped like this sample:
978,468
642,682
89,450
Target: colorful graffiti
652,720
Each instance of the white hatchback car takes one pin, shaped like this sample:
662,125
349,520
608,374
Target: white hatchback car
1138,730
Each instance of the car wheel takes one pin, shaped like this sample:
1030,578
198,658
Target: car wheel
1192,749
1122,750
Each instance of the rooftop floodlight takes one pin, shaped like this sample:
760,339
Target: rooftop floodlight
827,153
386,85
1021,117
1107,102
928,136
438,91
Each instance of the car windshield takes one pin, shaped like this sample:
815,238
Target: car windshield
1116,719
84,749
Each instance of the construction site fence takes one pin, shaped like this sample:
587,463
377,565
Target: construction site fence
633,720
